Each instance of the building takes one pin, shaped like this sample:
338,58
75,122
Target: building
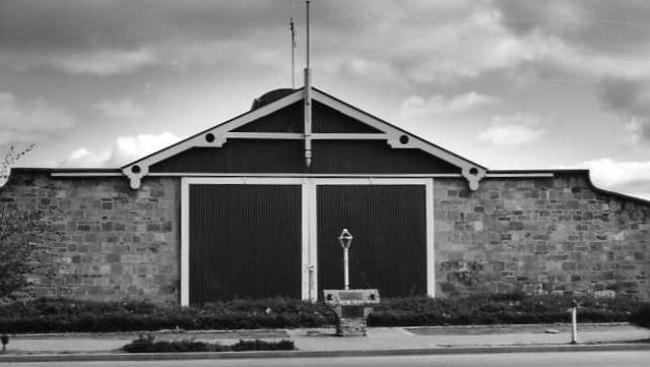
238,211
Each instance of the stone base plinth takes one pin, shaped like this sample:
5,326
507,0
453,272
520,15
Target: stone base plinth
352,320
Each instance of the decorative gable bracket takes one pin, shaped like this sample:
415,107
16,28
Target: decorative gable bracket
217,136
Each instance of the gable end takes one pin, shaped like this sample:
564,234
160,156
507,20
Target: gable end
346,138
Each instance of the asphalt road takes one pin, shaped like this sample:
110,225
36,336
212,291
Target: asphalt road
577,359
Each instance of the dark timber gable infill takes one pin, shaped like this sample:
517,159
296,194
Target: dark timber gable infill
290,120
270,139
285,156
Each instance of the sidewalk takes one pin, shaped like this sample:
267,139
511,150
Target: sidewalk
448,337
322,341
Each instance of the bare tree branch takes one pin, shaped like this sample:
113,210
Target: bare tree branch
10,158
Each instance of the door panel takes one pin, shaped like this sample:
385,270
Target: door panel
388,251
245,241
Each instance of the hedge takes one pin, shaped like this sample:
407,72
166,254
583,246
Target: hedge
65,315
514,308
641,317
147,344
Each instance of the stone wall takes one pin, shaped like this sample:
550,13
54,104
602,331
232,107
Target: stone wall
104,241
540,235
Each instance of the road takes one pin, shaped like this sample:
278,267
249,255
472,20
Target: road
577,359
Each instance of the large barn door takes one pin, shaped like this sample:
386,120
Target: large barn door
245,241
388,223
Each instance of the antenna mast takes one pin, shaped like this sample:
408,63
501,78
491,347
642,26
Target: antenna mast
307,98
307,19
293,53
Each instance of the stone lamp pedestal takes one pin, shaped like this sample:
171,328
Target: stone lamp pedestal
352,308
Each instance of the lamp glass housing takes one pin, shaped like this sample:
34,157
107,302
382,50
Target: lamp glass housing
345,238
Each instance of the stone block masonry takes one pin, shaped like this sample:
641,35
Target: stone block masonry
105,241
540,235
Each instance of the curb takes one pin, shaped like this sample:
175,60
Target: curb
321,354
262,330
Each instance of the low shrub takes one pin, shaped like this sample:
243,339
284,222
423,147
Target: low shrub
641,317
498,309
147,344
65,315
257,344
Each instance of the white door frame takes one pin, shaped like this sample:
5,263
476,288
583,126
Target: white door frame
309,253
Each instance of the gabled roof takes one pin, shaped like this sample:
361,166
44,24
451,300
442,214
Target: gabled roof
216,136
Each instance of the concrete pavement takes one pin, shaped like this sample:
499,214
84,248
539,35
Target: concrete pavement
322,342
421,338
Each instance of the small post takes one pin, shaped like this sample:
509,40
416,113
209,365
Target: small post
5,340
574,322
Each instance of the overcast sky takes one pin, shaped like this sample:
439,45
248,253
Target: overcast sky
509,84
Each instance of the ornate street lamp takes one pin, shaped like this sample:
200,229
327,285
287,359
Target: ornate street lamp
345,239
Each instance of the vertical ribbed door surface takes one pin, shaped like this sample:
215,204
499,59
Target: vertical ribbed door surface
245,241
388,251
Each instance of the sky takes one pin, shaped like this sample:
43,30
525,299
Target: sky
510,84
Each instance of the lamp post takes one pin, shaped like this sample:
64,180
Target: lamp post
345,239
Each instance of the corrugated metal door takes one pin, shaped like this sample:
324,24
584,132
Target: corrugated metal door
244,241
388,251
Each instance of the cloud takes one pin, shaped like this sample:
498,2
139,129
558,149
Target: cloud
124,149
626,95
32,120
104,38
604,42
630,99
601,26
416,107
366,67
83,157
472,39
639,127
115,25
430,43
120,109
513,130
427,41
556,52
631,177
101,62
129,148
